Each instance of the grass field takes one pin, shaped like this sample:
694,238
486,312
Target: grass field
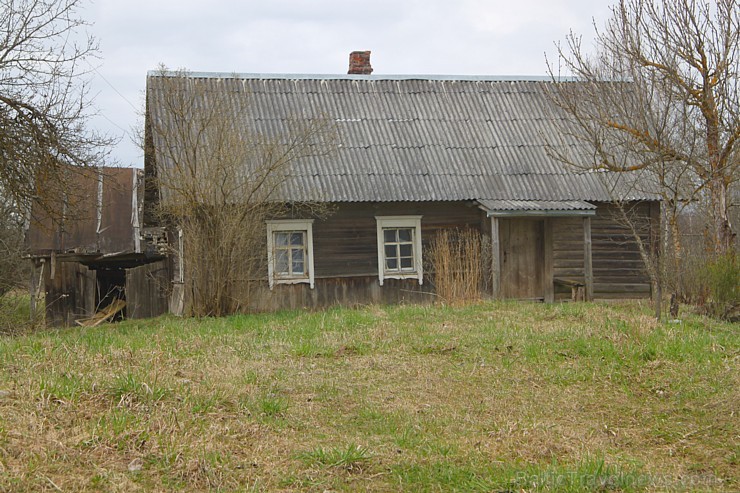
489,397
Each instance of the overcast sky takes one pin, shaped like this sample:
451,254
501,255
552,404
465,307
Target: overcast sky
451,37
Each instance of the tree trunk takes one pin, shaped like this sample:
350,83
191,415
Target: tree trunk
677,287
724,238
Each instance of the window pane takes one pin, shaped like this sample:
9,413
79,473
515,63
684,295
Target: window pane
391,264
407,263
390,251
297,254
389,235
296,238
406,250
281,239
404,234
281,262
297,267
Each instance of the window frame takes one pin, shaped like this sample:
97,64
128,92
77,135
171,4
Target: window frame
399,222
285,225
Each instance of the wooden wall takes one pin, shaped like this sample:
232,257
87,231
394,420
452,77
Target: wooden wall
345,291
346,262
70,292
346,256
619,271
345,243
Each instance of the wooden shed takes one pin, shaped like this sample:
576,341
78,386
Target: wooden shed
92,258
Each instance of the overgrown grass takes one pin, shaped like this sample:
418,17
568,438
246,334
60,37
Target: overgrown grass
15,313
488,397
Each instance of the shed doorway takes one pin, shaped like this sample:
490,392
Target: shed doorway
522,258
111,287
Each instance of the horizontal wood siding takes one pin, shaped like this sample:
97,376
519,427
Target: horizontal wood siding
345,243
567,252
346,256
344,291
618,269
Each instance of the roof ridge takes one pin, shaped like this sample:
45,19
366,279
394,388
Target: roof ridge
429,77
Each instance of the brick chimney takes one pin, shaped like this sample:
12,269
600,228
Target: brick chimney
359,63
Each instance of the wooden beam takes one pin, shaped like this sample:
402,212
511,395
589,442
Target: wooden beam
495,258
587,260
548,263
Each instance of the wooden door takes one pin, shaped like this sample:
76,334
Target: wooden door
522,258
146,290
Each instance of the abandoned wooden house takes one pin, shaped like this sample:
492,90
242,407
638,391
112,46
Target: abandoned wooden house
414,155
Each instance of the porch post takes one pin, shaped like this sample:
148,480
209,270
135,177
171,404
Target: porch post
587,259
35,285
495,259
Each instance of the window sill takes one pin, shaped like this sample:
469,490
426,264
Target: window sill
405,275
302,280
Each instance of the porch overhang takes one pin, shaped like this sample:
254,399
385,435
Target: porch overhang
537,208
505,210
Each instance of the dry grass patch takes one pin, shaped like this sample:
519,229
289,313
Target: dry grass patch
487,397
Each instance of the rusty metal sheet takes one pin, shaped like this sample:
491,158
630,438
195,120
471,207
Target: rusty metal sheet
95,215
116,231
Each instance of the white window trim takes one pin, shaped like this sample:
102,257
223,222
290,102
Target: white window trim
399,222
290,225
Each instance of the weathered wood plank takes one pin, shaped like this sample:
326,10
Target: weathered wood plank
69,292
146,290
522,263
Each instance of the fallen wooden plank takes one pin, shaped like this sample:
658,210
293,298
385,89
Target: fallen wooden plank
103,315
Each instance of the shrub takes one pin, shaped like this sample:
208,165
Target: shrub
722,280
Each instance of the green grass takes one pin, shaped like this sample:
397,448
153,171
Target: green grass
486,397
15,313
350,458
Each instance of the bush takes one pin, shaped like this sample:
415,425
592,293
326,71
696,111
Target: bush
721,278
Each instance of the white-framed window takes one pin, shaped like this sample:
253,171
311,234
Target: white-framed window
399,248
290,251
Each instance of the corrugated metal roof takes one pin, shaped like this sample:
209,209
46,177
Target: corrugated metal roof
414,139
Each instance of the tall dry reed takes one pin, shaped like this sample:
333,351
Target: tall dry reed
457,258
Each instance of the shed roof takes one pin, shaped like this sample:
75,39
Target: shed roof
416,138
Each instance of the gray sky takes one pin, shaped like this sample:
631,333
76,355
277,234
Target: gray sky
458,37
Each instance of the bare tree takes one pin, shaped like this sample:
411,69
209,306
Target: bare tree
44,105
218,179
13,272
661,95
